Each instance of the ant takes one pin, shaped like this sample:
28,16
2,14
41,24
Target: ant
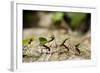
52,38
30,41
64,44
77,49
48,48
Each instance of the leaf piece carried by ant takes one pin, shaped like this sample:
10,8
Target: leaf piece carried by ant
42,40
27,41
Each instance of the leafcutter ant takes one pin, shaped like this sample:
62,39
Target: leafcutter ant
63,44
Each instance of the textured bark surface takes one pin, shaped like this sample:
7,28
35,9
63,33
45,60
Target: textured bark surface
33,52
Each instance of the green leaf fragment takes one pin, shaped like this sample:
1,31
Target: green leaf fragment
42,40
57,16
26,41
